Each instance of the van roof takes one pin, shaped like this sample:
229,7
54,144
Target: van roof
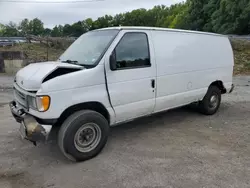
161,29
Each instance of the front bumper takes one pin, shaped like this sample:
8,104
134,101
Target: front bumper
30,129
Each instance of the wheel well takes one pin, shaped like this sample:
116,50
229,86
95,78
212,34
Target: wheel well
95,106
220,85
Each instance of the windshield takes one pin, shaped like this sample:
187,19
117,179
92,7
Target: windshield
89,47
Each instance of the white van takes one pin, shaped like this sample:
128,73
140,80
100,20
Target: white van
113,75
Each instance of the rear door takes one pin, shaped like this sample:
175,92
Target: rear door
132,85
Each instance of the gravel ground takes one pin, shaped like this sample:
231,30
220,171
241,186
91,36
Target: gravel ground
179,148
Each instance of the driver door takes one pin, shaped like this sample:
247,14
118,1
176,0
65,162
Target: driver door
131,85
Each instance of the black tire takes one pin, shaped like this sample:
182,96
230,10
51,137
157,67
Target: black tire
205,106
67,133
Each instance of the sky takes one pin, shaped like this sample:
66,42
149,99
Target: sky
67,13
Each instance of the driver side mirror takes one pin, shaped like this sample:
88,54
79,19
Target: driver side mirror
112,61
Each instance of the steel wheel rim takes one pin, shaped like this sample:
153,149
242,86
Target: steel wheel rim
87,137
213,102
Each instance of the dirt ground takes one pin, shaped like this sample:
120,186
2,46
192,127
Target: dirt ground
179,148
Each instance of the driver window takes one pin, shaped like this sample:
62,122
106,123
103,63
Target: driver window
133,51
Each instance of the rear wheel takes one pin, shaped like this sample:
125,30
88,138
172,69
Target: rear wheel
211,102
83,135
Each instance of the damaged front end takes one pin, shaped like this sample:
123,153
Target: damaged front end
30,129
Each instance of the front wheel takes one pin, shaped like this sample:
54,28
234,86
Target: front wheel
211,102
83,135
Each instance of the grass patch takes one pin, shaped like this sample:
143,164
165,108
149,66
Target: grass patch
35,52
241,50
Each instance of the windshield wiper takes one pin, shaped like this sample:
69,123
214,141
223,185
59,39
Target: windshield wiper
71,62
77,63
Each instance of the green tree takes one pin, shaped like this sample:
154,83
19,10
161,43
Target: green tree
47,32
196,18
78,29
11,30
87,24
137,18
67,30
232,17
118,20
175,17
36,27
2,29
57,31
105,21
25,27
221,16
209,10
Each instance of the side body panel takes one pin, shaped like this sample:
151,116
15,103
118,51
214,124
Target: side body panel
187,64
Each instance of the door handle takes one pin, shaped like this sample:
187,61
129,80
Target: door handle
153,83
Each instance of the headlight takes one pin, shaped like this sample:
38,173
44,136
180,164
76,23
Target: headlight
43,103
32,102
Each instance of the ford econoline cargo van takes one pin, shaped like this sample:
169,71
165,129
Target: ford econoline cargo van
113,75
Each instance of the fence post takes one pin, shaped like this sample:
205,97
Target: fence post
47,48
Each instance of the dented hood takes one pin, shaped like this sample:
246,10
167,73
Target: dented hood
32,76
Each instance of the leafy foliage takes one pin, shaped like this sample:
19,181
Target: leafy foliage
2,29
220,16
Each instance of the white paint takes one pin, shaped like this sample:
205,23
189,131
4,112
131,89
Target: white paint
162,29
87,85
31,76
130,90
183,63
187,63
